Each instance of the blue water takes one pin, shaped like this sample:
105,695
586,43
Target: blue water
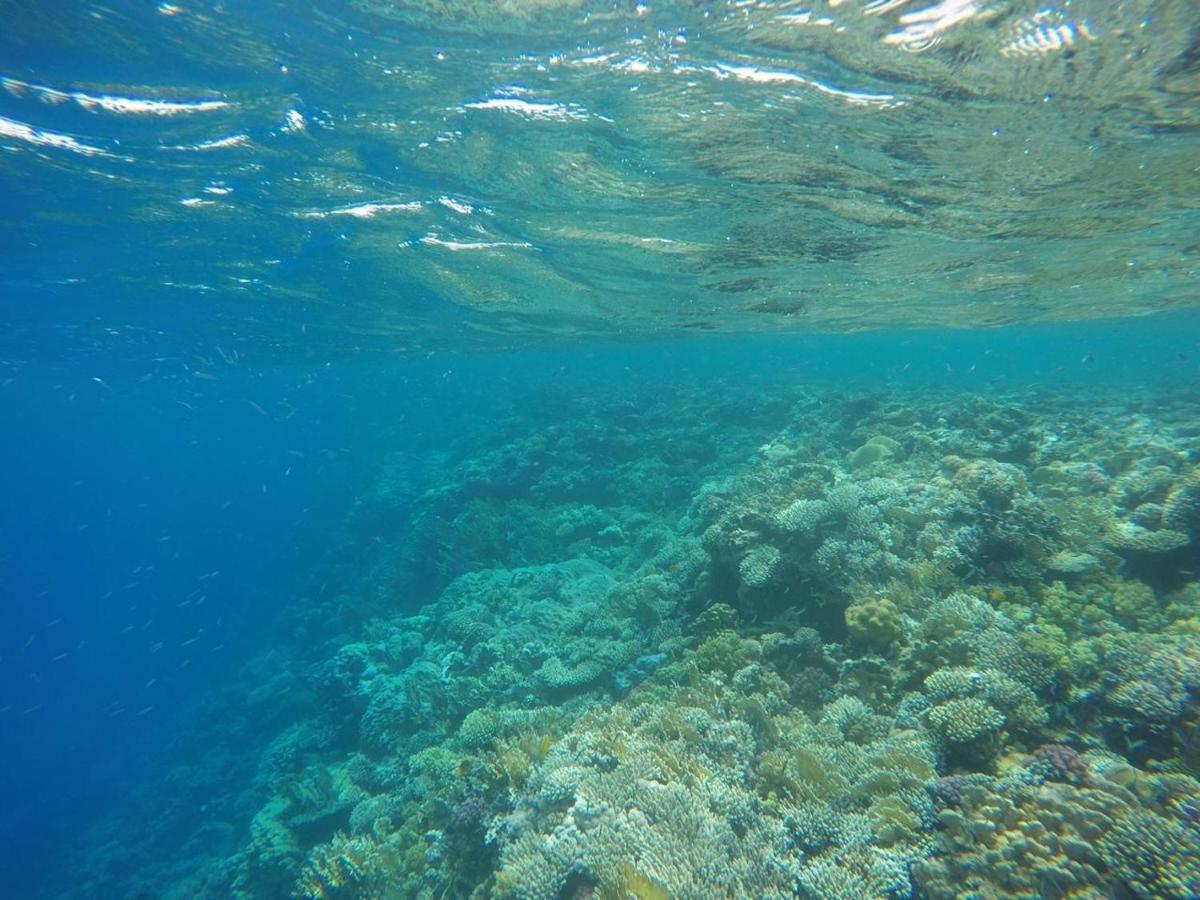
305,314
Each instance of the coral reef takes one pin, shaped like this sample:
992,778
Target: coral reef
826,646
1011,839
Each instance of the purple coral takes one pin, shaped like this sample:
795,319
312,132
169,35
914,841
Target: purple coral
948,790
468,816
1058,762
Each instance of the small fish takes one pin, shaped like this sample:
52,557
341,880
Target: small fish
1088,359
151,683
60,657
258,409
100,381
145,710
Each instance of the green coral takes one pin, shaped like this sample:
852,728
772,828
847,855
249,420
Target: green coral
555,675
1130,539
965,721
878,449
724,652
715,618
1135,605
874,623
1016,702
478,729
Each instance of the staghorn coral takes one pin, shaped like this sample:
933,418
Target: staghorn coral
802,517
723,803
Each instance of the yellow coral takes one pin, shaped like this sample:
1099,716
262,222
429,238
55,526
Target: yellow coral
638,885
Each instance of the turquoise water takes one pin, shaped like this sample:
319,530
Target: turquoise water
552,449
